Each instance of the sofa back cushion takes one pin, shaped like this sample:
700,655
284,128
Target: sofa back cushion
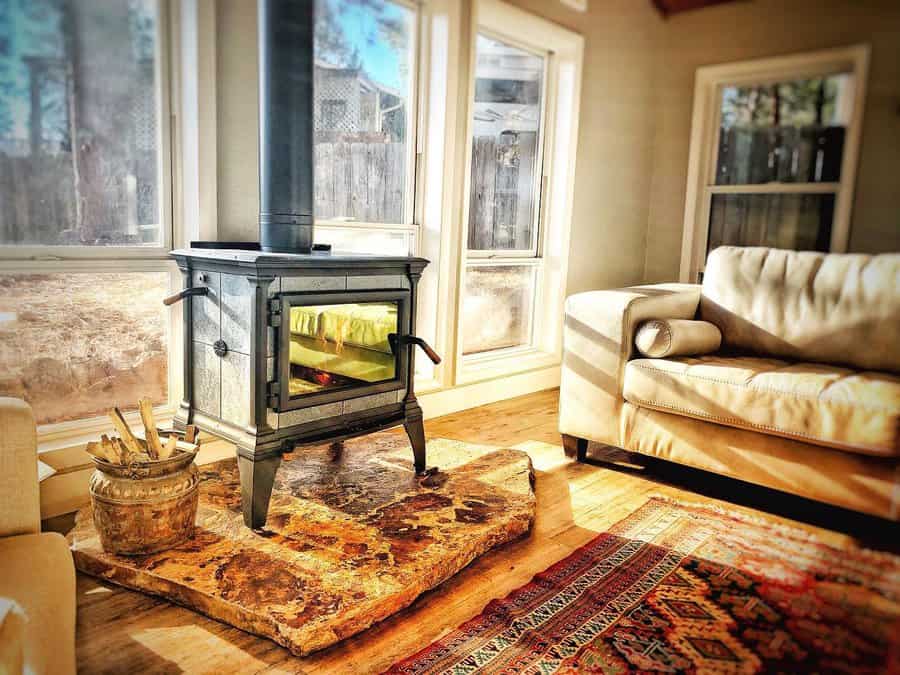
821,307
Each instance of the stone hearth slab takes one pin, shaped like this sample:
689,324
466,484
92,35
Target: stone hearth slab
350,539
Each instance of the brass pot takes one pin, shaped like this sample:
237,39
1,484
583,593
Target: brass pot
145,507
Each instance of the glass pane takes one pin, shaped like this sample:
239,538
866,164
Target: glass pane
345,240
497,308
363,94
78,123
341,345
794,221
503,200
75,344
791,132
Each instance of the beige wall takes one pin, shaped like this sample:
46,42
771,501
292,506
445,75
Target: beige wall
615,139
237,124
761,28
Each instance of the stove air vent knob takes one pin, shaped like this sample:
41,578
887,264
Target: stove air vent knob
220,348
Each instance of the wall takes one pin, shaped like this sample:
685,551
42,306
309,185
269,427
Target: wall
237,105
763,28
615,139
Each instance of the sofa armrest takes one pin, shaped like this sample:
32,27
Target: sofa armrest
598,339
20,502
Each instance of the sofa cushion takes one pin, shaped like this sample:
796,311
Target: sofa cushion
826,405
806,306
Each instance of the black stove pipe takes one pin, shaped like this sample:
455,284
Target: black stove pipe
286,125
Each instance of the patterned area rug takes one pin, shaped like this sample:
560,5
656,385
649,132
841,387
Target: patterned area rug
676,588
350,538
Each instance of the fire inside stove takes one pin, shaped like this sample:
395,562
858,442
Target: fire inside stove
341,345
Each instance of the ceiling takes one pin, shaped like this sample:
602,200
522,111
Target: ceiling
668,7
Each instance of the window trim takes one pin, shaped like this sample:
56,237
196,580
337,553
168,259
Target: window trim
562,91
162,71
705,129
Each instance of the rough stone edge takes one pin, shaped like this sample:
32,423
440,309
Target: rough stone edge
265,627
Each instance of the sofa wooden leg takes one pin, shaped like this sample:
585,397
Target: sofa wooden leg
575,447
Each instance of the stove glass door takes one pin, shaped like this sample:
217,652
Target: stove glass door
341,345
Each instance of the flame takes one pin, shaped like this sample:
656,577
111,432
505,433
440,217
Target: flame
341,330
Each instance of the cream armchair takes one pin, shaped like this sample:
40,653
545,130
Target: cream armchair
37,575
803,397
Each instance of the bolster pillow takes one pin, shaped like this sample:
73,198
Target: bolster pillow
659,338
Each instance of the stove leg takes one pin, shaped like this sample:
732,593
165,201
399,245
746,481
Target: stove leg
257,479
415,429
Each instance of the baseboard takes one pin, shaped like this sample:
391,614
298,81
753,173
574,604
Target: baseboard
67,489
447,401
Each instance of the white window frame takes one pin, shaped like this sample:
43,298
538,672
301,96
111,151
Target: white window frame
563,50
410,228
538,181
705,127
439,184
123,259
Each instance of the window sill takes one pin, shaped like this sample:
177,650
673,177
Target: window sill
489,366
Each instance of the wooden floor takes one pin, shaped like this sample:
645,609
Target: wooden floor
121,631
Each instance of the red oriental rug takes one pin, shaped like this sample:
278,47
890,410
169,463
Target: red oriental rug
676,588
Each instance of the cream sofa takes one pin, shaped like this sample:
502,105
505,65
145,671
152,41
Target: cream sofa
803,396
37,575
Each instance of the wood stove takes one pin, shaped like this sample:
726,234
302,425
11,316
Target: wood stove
289,349
285,344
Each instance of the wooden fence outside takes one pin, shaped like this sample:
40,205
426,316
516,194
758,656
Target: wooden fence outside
38,202
362,181
502,196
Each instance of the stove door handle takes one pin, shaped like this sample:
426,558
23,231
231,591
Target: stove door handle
394,340
181,295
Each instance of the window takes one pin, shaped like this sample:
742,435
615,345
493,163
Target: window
84,206
504,197
364,121
523,120
777,142
73,344
79,152
498,307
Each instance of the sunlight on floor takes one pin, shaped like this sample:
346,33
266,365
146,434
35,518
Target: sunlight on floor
159,641
544,456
